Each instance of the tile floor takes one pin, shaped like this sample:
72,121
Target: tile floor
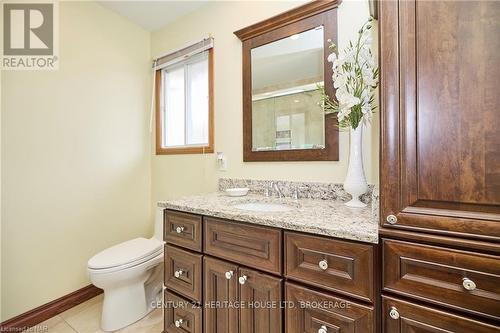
85,318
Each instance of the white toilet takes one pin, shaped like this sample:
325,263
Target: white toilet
131,275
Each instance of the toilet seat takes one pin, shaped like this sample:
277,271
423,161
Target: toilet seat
127,254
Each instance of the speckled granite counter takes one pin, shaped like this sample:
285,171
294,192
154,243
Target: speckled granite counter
323,217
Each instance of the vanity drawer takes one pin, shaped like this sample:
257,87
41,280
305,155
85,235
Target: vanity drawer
183,272
410,318
183,229
310,311
181,316
468,281
252,246
340,266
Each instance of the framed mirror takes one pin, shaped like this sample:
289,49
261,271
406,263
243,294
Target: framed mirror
284,66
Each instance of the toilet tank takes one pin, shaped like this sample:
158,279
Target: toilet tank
159,224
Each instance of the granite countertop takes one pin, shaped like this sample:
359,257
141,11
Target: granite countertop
322,217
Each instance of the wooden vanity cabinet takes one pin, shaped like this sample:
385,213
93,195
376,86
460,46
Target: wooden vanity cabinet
236,284
440,166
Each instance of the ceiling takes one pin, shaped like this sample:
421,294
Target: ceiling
152,15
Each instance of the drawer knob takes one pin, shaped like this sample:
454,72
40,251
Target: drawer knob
323,329
323,264
391,219
393,313
178,322
178,273
468,284
179,230
229,275
243,279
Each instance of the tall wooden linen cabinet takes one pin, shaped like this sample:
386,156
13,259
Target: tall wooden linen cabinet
440,165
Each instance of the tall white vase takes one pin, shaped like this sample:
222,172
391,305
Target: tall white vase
355,181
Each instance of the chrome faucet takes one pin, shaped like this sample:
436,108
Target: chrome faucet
272,187
277,189
268,189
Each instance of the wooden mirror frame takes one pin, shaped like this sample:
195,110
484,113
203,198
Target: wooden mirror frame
292,22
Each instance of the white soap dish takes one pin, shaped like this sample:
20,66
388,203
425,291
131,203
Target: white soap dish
237,192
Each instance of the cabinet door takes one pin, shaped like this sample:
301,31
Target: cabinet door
181,316
343,267
220,291
440,148
309,311
404,317
183,272
183,229
250,245
462,280
260,297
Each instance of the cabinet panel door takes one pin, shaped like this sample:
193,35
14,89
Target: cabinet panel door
260,296
343,267
181,316
219,291
412,318
183,229
183,272
441,275
440,165
250,245
311,311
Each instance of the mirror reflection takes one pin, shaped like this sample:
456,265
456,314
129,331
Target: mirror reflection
286,113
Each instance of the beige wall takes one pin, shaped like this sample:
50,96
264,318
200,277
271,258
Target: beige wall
75,156
177,175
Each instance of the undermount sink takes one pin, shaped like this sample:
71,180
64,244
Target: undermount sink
263,207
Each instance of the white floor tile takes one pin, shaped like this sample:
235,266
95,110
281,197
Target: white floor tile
86,318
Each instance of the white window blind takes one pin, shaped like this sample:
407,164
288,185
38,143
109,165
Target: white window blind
183,53
185,97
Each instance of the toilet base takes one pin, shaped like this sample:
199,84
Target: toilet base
125,305
130,296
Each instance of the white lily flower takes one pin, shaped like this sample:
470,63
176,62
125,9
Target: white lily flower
343,113
354,70
332,57
346,99
368,78
340,81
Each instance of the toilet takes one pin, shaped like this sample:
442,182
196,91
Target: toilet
131,275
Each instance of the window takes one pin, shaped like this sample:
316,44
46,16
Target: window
184,104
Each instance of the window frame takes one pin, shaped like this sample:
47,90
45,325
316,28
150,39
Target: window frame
185,149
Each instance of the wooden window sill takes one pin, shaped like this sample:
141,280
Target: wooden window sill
185,150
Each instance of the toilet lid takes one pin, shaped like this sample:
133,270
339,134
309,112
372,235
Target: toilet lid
125,253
